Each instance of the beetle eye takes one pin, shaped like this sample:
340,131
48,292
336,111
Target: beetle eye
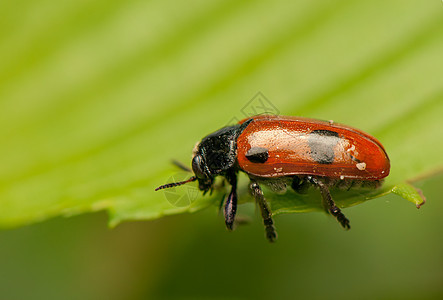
196,166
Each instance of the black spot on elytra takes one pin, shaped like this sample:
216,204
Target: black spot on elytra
324,132
322,144
257,155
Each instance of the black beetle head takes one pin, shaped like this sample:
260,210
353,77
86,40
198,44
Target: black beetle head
216,154
213,156
201,171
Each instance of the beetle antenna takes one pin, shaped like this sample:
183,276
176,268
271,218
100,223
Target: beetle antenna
181,166
170,185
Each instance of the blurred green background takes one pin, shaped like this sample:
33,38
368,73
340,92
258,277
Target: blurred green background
96,97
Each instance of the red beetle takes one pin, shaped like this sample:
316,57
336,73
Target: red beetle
282,151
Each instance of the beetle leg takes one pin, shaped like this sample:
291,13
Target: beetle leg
266,214
231,209
300,185
231,201
329,204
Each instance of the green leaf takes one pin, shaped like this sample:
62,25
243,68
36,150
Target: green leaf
410,193
96,97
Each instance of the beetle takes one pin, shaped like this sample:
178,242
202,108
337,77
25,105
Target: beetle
287,151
